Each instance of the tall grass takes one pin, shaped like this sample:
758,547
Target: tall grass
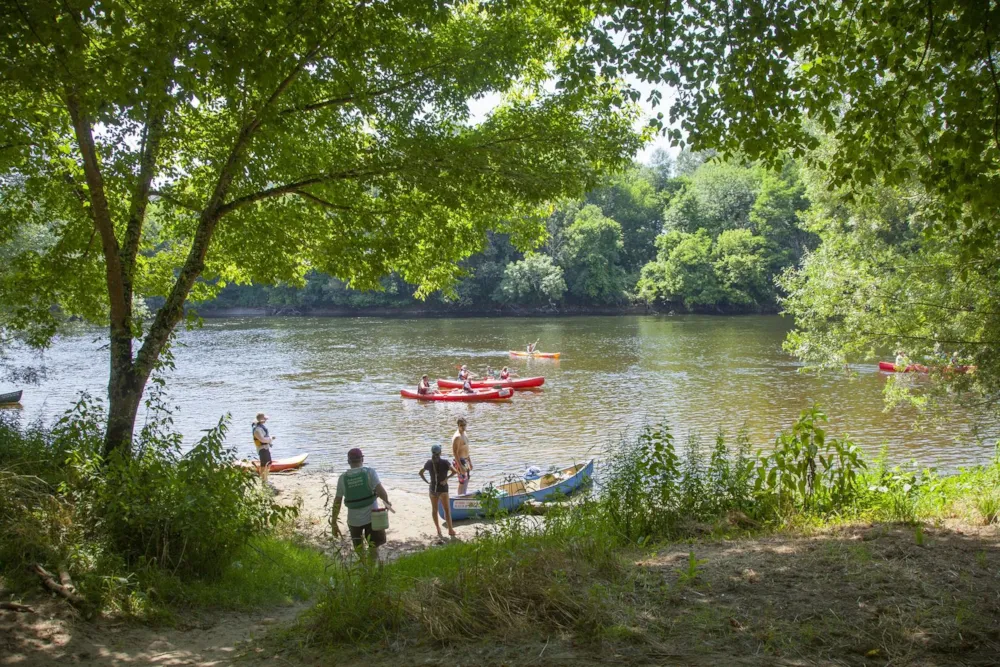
573,571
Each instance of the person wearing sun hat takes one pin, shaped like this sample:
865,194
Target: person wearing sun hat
358,488
440,470
262,440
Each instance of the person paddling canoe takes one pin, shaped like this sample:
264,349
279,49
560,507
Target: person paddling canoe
532,346
424,386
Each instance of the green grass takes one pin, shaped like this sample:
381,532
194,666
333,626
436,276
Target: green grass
267,572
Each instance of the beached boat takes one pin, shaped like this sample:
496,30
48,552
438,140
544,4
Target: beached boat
11,397
890,367
476,395
537,355
514,494
278,465
512,383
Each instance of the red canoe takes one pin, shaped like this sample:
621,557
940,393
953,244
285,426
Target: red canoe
890,367
478,395
513,383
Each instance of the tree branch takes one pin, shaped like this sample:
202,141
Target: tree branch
166,196
295,187
347,98
121,307
882,334
148,155
172,310
996,85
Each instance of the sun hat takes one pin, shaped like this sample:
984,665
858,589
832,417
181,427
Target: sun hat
355,455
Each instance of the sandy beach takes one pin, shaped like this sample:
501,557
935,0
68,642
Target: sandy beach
411,527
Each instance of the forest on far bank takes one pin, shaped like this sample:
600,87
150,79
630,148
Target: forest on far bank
691,233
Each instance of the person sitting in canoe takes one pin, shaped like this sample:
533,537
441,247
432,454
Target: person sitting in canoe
463,373
490,373
902,361
424,386
532,346
505,374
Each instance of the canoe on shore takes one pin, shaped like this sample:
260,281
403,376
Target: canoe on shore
890,367
278,465
476,395
537,355
514,494
512,383
11,397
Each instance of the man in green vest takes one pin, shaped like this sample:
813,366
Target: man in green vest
358,488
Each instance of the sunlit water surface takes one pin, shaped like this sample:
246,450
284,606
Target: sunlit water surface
333,384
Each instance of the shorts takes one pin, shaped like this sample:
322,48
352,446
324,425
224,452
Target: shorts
437,492
464,473
358,533
264,453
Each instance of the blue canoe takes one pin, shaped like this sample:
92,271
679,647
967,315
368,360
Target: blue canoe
515,494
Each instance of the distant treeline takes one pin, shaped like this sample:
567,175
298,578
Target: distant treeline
688,234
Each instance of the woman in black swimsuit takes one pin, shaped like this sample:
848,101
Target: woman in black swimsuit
440,470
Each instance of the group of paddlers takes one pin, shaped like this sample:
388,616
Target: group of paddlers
465,376
360,489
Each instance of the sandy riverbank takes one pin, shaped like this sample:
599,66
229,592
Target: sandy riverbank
411,527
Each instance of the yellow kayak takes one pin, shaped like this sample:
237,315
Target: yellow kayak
544,355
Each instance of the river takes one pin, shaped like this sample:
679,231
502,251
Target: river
331,384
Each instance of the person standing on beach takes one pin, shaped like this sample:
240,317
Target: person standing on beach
262,440
358,488
463,460
440,470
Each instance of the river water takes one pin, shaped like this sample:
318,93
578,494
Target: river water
332,384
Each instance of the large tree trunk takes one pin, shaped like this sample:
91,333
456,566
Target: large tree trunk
125,388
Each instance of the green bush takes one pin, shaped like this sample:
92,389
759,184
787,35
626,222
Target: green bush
110,523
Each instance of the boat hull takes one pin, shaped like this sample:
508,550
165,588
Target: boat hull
478,395
513,383
278,465
469,506
11,397
537,355
890,367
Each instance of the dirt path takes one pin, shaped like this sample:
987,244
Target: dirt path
55,636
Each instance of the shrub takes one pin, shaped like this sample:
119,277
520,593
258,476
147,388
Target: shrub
184,514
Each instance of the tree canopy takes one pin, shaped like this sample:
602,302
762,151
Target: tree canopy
165,148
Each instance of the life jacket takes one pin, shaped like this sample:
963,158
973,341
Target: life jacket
358,491
462,375
253,430
504,376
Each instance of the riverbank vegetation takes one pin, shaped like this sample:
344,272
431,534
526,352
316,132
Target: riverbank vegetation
143,535
807,549
689,234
